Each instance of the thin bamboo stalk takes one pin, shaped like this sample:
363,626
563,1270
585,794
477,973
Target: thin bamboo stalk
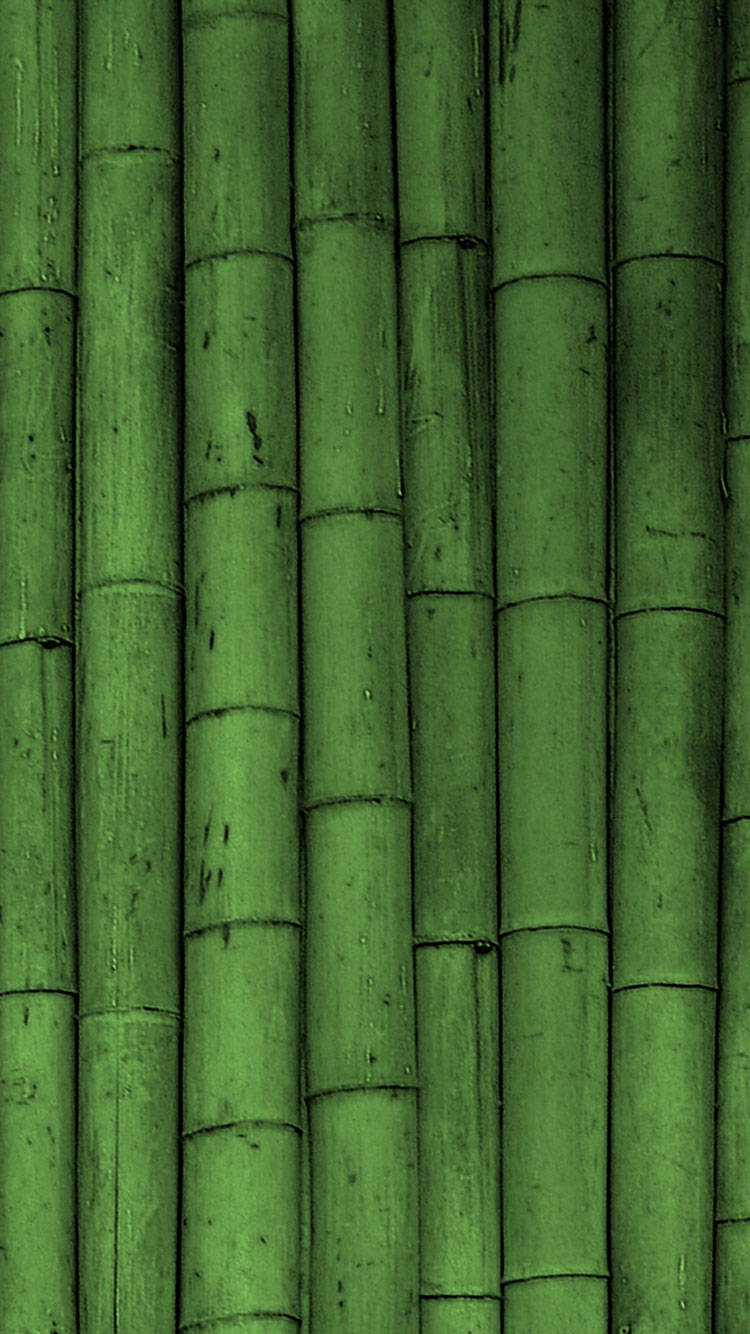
448,490
129,670
551,326
241,1096
361,1064
669,625
37,906
732,1232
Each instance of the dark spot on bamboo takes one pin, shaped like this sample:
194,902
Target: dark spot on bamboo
278,516
482,946
430,613
469,103
201,883
220,877
115,430
148,864
516,25
31,438
197,595
206,828
211,641
163,718
438,551
284,775
226,833
206,338
217,155
225,931
592,335
265,1243
209,446
47,331
252,426
512,74
15,741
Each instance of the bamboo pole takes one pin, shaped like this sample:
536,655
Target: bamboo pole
241,1096
550,305
360,1058
669,625
129,678
448,491
37,906
732,1233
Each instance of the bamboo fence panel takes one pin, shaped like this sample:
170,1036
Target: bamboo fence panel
373,711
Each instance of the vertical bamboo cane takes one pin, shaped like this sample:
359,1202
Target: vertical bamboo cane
444,319
129,686
548,195
669,627
37,909
732,1235
241,1096
361,1076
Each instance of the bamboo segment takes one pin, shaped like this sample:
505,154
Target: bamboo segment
241,1096
445,380
669,682
732,1234
37,907
129,687
551,330
360,1057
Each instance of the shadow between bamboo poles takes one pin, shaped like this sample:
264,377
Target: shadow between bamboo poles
732,1230
361,1064
241,1096
129,666
546,80
440,72
667,270
37,913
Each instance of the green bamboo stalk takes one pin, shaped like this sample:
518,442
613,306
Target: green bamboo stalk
445,379
550,295
241,1096
129,677
669,626
732,1232
361,1064
37,906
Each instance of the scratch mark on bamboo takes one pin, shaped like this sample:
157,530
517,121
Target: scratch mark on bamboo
644,810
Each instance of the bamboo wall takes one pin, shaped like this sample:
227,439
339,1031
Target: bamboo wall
374,667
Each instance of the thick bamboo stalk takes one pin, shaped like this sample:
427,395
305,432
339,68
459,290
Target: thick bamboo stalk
129,678
241,1096
448,488
669,626
361,1065
550,302
732,1234
37,906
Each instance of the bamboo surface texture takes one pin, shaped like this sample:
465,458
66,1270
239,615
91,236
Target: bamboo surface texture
374,667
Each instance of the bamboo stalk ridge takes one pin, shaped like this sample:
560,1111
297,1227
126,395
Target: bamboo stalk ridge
546,78
37,905
732,1230
440,82
241,1095
667,280
360,1043
129,666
